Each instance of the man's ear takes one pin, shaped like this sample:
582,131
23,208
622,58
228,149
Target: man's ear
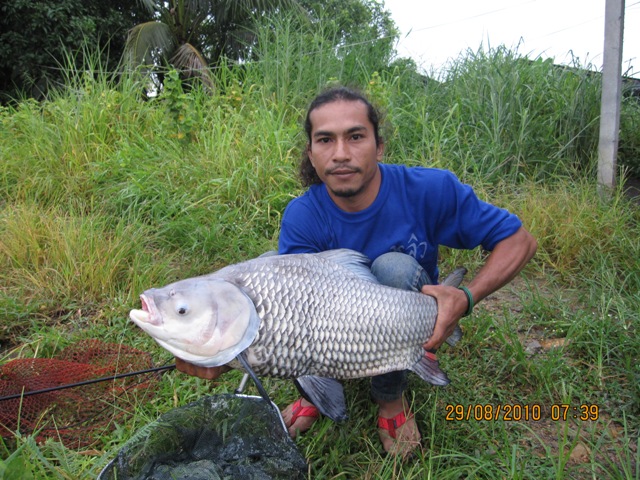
309,155
380,149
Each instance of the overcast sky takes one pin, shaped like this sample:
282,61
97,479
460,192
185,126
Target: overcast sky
435,31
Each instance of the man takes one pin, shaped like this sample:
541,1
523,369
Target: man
397,216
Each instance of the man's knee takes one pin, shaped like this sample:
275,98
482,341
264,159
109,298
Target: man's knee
400,270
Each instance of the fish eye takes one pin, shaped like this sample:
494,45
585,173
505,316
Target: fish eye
182,309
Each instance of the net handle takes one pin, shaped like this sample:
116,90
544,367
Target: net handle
86,382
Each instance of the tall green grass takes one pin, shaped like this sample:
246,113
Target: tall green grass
498,116
104,193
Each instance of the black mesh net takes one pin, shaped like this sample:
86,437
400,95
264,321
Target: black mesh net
217,437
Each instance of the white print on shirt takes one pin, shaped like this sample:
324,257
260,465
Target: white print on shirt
414,248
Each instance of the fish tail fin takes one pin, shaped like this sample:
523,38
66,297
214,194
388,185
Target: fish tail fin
428,370
454,337
454,279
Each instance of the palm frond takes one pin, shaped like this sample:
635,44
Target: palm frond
235,11
192,64
151,5
149,42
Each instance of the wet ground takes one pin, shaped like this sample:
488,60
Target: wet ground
632,188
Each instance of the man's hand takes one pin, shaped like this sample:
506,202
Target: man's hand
507,260
452,305
207,373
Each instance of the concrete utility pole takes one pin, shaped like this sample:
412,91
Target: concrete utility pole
611,93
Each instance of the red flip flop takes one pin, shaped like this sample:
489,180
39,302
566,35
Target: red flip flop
297,411
392,424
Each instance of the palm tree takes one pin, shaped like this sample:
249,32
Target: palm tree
185,33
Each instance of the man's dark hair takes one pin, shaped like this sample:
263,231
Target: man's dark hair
307,173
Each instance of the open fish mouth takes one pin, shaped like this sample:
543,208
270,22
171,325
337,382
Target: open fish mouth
148,314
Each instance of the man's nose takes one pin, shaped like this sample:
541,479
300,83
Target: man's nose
341,152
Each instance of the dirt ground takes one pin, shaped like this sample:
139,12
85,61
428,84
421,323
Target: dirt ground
632,188
572,439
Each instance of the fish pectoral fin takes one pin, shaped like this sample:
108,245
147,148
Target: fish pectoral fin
428,370
454,337
326,394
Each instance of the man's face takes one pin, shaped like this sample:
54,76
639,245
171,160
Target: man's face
343,152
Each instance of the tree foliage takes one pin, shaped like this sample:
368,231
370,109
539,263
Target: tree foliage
37,35
39,38
357,23
334,41
191,34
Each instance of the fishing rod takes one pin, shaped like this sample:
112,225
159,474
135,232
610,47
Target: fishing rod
87,382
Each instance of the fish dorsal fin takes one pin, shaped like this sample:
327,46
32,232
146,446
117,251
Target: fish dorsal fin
356,262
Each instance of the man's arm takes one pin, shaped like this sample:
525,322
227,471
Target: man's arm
506,260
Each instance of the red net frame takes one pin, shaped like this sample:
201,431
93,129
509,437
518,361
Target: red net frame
75,416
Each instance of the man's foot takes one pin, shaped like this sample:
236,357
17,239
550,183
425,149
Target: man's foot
397,428
299,416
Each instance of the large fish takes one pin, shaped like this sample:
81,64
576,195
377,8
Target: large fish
317,318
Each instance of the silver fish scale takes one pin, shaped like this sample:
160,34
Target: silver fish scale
319,318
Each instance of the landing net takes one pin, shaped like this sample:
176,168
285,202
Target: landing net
75,416
217,437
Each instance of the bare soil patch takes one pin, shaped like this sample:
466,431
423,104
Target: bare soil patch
574,441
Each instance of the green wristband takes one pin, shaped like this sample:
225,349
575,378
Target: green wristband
469,299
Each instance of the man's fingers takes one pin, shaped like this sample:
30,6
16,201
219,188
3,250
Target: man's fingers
206,373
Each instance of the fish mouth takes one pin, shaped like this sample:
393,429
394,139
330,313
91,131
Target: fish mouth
148,314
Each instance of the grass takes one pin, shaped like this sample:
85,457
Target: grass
104,194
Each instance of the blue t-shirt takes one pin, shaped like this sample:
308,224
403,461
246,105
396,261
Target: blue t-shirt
416,210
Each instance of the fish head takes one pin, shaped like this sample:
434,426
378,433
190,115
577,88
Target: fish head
204,321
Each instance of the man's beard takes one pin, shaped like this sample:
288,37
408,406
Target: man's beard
348,193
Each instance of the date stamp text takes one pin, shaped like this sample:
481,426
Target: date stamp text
518,412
